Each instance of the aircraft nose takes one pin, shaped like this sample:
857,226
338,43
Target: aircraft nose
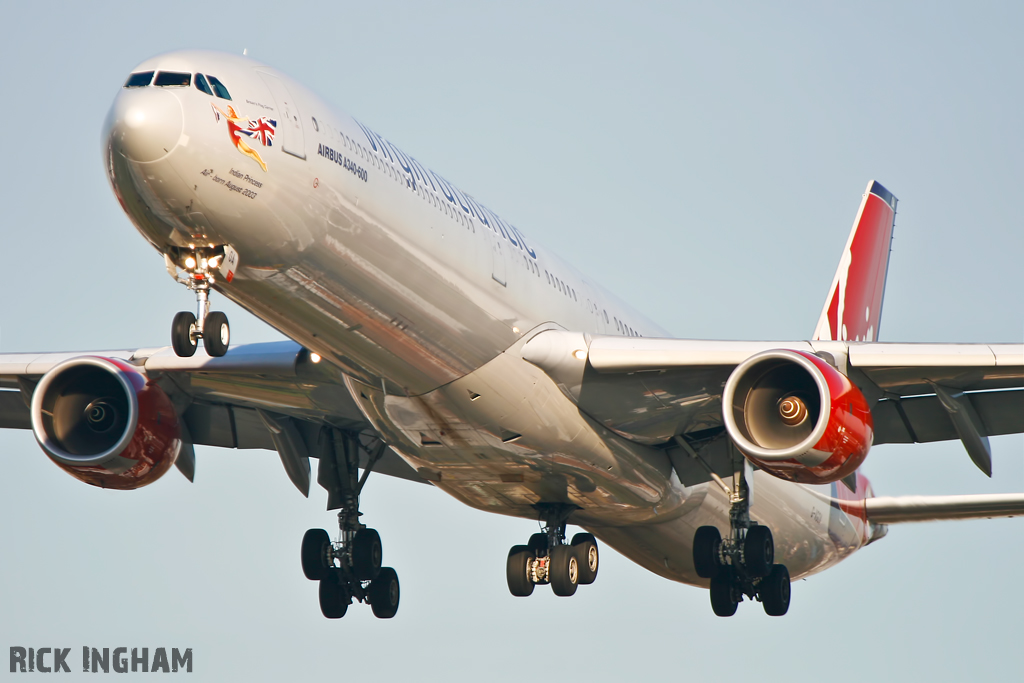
145,124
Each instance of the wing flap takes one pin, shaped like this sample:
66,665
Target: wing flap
922,419
13,411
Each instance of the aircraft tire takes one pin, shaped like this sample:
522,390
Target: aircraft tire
564,570
705,552
334,598
182,334
313,564
758,551
216,334
723,604
384,593
367,554
775,591
516,571
588,556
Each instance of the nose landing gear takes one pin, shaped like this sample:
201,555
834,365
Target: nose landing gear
743,563
198,274
547,558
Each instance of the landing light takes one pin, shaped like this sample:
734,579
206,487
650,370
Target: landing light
214,261
315,357
579,354
190,263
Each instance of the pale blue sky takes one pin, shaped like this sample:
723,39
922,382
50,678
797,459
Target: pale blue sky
703,161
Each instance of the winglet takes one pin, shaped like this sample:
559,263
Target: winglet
854,304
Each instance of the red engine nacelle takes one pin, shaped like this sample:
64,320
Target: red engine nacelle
103,422
797,417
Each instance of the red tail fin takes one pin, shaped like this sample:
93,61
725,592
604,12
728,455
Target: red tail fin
854,304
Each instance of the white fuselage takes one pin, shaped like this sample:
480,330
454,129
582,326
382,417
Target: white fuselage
423,298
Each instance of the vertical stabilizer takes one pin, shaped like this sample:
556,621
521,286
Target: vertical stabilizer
854,304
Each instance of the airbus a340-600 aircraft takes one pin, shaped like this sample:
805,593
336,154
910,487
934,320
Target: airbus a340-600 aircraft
434,341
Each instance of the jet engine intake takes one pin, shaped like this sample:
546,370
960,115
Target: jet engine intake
797,417
103,422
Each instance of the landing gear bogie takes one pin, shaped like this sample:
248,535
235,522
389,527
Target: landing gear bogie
743,563
547,558
349,568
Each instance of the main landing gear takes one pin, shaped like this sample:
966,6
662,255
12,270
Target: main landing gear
350,568
199,267
547,558
743,563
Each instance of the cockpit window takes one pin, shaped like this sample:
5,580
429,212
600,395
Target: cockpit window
201,84
172,79
139,80
219,88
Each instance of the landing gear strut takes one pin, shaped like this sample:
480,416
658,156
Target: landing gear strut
350,568
547,558
742,564
198,274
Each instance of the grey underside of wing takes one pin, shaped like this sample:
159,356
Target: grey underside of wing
651,390
218,398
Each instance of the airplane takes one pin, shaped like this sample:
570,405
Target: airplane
434,341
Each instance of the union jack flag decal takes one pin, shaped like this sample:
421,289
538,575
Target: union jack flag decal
262,130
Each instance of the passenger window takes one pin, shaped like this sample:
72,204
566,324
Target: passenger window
172,79
139,80
202,85
218,88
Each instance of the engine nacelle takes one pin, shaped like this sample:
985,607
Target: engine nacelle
104,423
797,417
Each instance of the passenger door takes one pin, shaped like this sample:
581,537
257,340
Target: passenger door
289,127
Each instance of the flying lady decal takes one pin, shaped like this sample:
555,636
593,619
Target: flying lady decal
239,127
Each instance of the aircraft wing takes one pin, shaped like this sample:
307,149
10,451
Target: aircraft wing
241,400
896,510
655,390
